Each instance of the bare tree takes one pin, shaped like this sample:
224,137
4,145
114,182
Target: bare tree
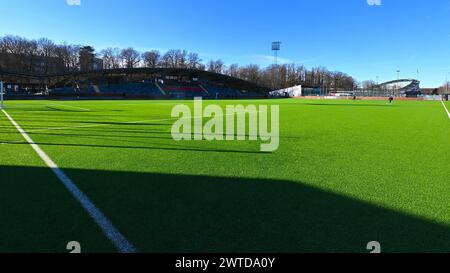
30,53
202,67
181,60
368,85
47,51
73,54
169,59
69,55
130,57
151,58
193,60
111,58
252,73
216,66
233,71
13,44
175,58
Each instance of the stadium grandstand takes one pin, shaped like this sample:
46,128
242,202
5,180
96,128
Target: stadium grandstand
157,83
408,88
403,87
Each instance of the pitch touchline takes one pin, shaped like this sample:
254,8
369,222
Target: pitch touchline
99,218
445,107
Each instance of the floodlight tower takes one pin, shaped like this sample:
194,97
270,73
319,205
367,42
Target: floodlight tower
276,46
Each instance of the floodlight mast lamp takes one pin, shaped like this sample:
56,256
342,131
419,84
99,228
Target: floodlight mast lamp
276,46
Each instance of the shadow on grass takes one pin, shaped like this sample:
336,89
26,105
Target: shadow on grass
186,213
103,123
171,147
124,123
48,109
350,104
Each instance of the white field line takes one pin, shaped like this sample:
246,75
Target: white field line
120,123
69,106
446,110
99,218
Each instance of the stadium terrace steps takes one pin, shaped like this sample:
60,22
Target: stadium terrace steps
96,89
160,89
183,89
204,89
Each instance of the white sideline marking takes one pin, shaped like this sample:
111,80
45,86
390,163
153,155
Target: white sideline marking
446,110
64,105
100,219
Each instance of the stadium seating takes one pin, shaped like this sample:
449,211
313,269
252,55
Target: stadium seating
221,91
165,87
145,88
177,89
131,89
64,90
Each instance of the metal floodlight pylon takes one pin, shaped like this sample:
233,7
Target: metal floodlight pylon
276,46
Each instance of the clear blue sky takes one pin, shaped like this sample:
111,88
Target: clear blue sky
352,36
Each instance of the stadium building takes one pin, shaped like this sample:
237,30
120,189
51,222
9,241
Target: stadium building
158,83
404,87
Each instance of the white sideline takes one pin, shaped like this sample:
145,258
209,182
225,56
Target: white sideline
445,107
100,219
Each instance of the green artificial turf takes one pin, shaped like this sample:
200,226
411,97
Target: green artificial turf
346,173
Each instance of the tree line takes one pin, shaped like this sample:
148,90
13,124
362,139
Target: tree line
45,56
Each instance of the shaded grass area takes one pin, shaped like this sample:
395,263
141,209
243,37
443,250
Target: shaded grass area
181,213
39,215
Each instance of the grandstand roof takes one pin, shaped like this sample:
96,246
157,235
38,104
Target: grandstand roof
399,84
